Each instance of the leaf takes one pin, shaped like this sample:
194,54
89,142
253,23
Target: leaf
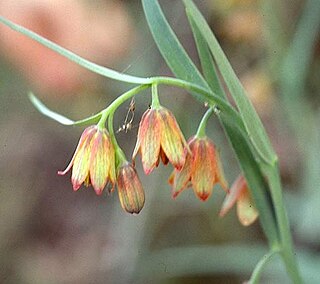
169,46
251,120
60,118
208,67
104,71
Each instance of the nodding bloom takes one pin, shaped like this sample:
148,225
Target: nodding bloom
130,189
159,136
246,210
93,161
202,169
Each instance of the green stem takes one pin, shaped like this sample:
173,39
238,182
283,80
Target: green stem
287,251
155,96
120,156
201,132
255,277
102,122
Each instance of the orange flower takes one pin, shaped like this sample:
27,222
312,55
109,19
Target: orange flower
130,190
159,135
202,169
246,211
93,161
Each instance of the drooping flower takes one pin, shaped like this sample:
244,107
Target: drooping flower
93,161
130,189
202,169
239,193
159,136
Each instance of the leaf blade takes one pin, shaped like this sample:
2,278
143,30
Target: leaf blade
58,117
251,120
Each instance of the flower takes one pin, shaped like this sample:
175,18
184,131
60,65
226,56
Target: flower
93,161
130,190
246,211
159,135
202,169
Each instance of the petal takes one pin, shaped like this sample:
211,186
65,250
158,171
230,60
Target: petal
81,163
180,179
172,140
235,191
150,141
220,177
100,162
141,131
81,143
246,211
203,167
130,189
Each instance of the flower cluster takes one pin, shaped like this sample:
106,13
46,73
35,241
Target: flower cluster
94,163
98,161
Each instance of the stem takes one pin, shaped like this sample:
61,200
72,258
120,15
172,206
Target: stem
102,122
255,277
120,156
287,252
201,132
127,95
155,97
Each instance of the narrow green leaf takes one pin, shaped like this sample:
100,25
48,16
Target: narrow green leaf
60,118
104,71
169,46
251,120
208,67
256,182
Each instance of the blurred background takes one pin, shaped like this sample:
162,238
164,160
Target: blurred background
49,234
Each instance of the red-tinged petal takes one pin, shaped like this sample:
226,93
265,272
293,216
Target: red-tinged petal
141,132
220,173
172,140
81,163
130,190
100,163
203,167
246,211
81,143
180,179
150,141
235,191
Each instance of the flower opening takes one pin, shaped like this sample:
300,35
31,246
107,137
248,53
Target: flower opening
130,189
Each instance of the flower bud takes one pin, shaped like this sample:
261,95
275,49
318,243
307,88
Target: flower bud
130,190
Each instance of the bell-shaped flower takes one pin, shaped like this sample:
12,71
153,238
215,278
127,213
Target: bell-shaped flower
201,171
159,136
130,189
93,161
239,193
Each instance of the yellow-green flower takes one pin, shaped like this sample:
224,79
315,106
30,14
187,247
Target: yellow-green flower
159,136
246,210
201,171
93,161
130,189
